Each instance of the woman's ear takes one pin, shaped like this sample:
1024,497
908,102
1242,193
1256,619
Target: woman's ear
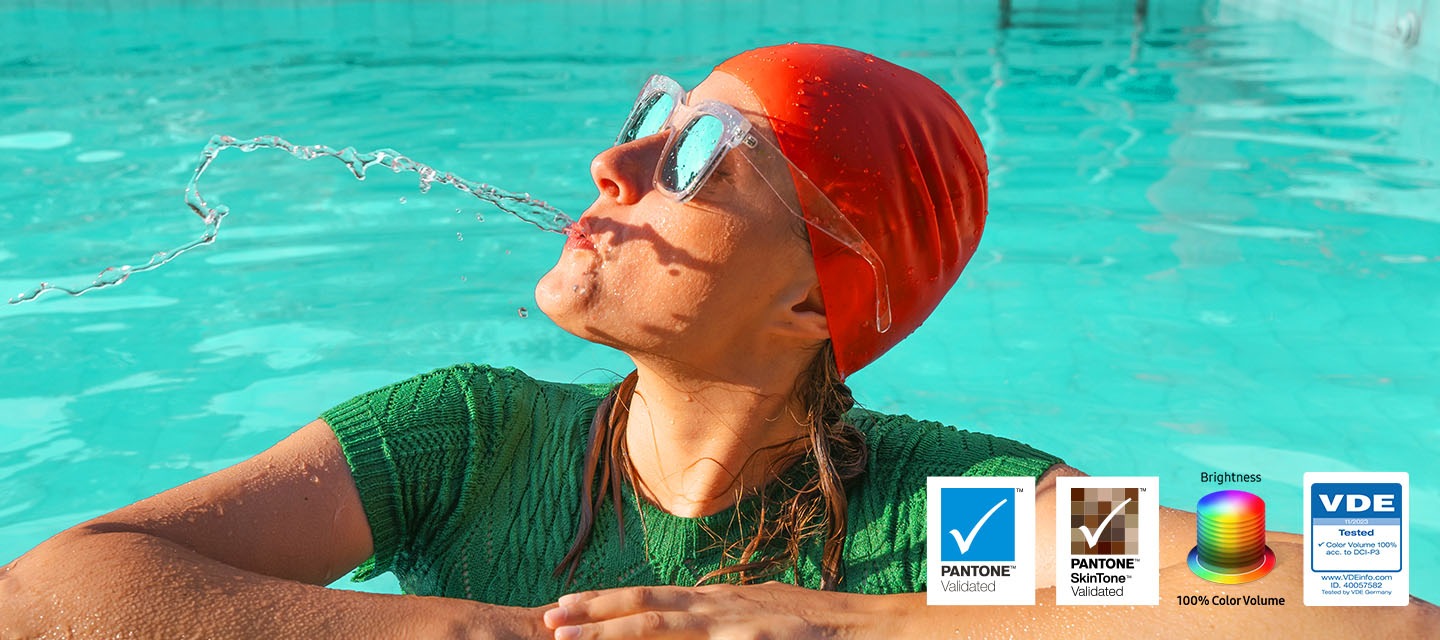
804,315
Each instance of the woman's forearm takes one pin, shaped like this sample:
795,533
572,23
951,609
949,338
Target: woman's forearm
92,584
1168,619
909,617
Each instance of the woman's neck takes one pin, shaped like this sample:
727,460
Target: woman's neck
695,442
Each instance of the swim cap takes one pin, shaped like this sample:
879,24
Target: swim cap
898,157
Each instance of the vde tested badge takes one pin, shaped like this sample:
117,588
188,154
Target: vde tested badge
980,535
1357,539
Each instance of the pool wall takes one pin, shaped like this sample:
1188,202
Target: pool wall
1395,32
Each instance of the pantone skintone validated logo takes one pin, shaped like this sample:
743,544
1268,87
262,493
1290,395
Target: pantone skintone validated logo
1112,528
981,540
1105,521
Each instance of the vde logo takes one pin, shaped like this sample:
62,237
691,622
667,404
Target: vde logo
980,539
1356,536
1377,499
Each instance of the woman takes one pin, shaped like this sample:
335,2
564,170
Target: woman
754,242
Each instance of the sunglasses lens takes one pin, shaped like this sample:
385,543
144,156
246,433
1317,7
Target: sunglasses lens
648,116
692,153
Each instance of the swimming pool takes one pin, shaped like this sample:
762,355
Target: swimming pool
1214,242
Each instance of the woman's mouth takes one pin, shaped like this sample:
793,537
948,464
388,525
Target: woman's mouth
576,238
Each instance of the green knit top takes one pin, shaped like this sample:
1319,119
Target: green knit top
470,478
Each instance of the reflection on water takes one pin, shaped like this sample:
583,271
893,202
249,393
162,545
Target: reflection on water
283,346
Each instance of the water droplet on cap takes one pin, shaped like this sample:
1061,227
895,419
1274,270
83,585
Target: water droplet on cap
524,313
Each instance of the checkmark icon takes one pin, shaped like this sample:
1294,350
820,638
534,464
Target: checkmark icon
1093,537
970,537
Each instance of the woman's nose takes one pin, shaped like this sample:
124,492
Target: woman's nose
625,172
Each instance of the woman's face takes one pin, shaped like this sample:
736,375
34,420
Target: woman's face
702,282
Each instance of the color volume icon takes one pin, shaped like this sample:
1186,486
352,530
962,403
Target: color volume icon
1230,538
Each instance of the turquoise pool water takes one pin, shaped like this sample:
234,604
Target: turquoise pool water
1214,242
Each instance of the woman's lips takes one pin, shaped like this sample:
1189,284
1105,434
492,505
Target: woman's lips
576,238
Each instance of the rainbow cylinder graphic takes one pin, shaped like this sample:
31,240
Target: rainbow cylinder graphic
1230,538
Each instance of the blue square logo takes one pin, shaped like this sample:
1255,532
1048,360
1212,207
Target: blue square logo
977,525
1377,502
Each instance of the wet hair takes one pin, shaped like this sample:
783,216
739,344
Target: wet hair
833,455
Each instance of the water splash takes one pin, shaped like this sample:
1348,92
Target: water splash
521,205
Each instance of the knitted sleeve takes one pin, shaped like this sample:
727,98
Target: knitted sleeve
411,447
888,528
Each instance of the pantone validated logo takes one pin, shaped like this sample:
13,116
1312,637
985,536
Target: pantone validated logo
980,524
980,539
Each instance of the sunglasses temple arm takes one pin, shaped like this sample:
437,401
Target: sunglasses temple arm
856,243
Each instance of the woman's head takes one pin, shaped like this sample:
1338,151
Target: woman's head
900,159
852,167
726,272
887,153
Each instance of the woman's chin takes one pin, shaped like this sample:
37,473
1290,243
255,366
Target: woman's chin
572,303
565,297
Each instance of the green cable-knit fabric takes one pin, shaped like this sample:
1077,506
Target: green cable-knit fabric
470,478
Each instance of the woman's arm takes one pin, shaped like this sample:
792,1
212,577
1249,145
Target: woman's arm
782,610
242,552
1169,619
779,610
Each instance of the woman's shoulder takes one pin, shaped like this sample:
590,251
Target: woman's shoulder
486,379
887,534
493,374
466,396
903,445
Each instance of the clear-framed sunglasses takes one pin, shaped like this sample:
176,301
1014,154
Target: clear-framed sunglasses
700,136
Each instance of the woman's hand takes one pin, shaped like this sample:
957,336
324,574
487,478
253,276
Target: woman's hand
769,610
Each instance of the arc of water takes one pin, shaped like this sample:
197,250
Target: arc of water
520,205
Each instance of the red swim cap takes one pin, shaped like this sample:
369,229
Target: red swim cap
899,158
